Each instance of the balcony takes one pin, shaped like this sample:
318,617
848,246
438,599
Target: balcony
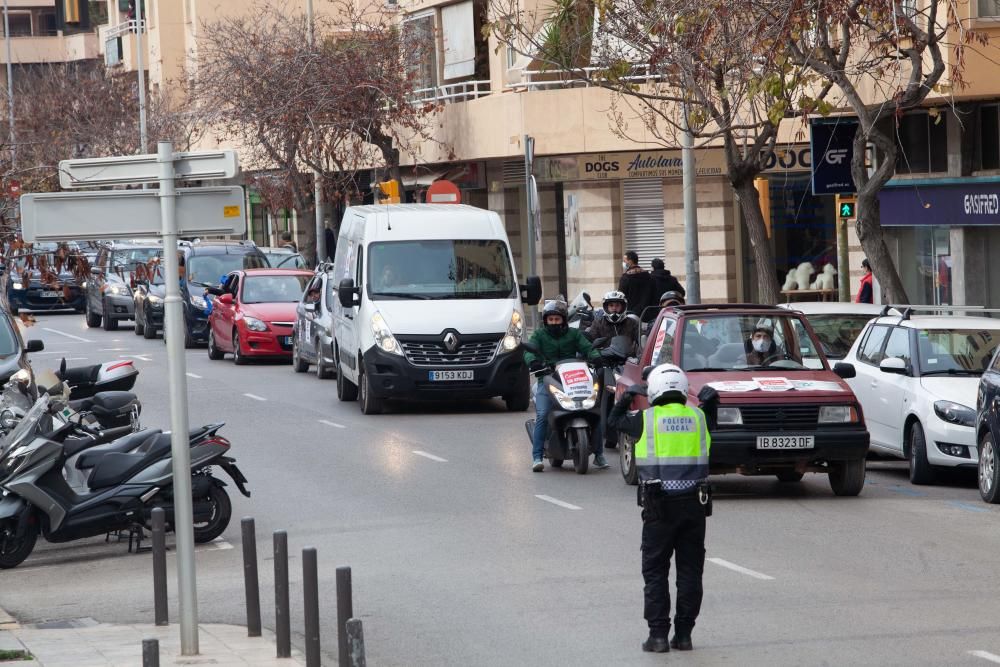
118,43
549,79
52,49
451,93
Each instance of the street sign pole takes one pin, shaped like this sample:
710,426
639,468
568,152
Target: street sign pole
180,446
692,263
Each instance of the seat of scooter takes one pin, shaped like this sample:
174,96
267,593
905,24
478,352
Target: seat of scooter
80,374
106,401
125,444
115,468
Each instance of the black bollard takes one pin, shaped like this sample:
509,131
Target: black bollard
345,611
310,595
151,651
250,579
282,618
159,520
356,637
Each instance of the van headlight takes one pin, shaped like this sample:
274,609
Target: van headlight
383,337
514,332
837,414
567,402
955,413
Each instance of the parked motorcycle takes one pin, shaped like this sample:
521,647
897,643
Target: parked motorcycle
85,381
122,490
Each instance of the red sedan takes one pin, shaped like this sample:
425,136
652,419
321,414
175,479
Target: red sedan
254,314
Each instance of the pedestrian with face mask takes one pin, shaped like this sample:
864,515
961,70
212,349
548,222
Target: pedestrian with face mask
637,285
555,341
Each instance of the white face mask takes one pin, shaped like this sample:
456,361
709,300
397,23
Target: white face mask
761,345
624,266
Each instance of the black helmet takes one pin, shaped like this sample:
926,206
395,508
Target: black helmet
556,308
672,295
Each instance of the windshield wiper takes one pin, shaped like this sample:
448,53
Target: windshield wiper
952,371
710,369
402,295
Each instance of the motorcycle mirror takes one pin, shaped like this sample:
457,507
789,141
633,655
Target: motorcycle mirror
646,371
54,390
62,369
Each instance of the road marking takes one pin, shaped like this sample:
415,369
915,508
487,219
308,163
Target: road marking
39,354
143,357
62,333
113,349
907,491
556,501
330,423
255,397
76,358
429,456
739,568
986,655
192,375
969,508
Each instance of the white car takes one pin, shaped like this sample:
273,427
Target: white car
917,378
837,324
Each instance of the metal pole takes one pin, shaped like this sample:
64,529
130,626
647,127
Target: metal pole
250,579
321,250
356,637
691,264
159,520
345,611
282,618
150,653
10,85
180,447
529,157
139,57
310,597
844,261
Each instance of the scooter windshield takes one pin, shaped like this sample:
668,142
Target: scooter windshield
26,428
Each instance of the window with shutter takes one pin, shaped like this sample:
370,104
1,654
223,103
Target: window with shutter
643,218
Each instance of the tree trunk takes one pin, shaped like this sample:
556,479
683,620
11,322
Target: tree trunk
769,292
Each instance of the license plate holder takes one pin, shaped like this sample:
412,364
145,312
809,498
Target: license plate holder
451,376
286,340
773,442
51,294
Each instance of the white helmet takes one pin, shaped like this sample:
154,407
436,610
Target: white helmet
611,297
666,379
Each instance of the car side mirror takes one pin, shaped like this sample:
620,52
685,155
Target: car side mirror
226,299
893,365
531,291
646,371
309,307
347,293
34,345
845,371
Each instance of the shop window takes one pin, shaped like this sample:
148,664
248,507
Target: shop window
934,264
420,43
922,144
989,131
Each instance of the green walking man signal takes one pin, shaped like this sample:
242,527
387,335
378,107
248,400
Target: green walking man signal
847,209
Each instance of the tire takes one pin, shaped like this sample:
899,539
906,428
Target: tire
238,358
921,472
14,310
369,404
140,328
214,353
988,470
346,390
217,525
847,478
323,372
13,553
555,463
581,455
789,476
626,458
110,323
189,341
148,332
298,365
520,400
93,321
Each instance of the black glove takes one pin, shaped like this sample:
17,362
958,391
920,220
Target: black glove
708,397
536,365
636,390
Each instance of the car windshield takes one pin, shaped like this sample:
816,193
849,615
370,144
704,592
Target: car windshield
127,259
956,352
274,289
460,269
837,332
207,269
285,260
745,342
44,254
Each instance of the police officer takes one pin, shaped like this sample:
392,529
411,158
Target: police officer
671,456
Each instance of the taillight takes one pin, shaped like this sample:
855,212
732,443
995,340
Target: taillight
216,440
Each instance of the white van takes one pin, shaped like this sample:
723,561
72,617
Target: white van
428,306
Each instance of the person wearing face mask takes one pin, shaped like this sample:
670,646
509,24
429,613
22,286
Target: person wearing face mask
760,348
555,341
637,285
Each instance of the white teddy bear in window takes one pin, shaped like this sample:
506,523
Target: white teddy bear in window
798,278
824,280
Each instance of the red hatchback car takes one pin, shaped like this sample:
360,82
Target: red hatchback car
253,314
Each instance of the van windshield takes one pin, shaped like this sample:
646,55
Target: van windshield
440,269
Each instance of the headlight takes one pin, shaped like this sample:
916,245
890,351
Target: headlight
18,286
84,284
837,414
8,467
253,324
729,417
383,337
154,299
567,402
8,420
120,290
199,302
955,413
514,332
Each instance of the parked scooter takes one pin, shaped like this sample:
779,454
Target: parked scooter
123,488
85,381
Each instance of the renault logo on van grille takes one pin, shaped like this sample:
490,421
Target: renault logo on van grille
451,342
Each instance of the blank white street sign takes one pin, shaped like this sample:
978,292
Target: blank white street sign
93,172
128,214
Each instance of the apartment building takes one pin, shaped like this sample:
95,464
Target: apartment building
51,31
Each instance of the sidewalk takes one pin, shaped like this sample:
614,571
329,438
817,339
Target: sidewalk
91,644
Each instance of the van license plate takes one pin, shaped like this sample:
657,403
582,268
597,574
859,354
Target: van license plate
51,295
448,376
785,442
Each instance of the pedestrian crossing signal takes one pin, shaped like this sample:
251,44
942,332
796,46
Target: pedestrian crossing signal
847,209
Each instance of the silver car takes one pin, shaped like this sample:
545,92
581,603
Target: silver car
313,330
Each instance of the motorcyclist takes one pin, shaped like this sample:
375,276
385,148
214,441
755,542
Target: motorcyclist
555,341
615,322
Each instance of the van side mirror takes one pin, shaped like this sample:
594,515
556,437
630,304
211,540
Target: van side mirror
845,371
347,293
893,365
531,291
34,345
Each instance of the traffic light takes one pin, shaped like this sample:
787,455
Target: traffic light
390,192
847,209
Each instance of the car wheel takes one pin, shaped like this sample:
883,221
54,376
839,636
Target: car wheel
148,331
140,327
238,357
14,310
214,353
847,478
346,390
110,323
989,472
370,404
93,321
921,472
789,476
298,364
519,400
323,372
626,457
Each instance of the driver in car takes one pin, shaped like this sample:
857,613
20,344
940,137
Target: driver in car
760,347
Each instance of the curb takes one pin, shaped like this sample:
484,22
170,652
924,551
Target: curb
8,622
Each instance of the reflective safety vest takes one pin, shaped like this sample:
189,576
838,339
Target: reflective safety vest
680,445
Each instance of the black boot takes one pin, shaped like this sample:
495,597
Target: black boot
681,642
656,645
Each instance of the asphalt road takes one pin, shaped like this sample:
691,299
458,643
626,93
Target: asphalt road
462,556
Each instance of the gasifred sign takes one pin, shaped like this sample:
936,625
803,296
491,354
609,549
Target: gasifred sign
972,202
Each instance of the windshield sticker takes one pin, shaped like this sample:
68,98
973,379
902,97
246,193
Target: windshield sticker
816,385
773,384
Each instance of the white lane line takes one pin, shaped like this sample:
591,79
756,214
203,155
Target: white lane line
739,568
63,333
255,397
986,655
192,375
429,456
556,501
143,357
113,349
330,423
39,354
76,358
